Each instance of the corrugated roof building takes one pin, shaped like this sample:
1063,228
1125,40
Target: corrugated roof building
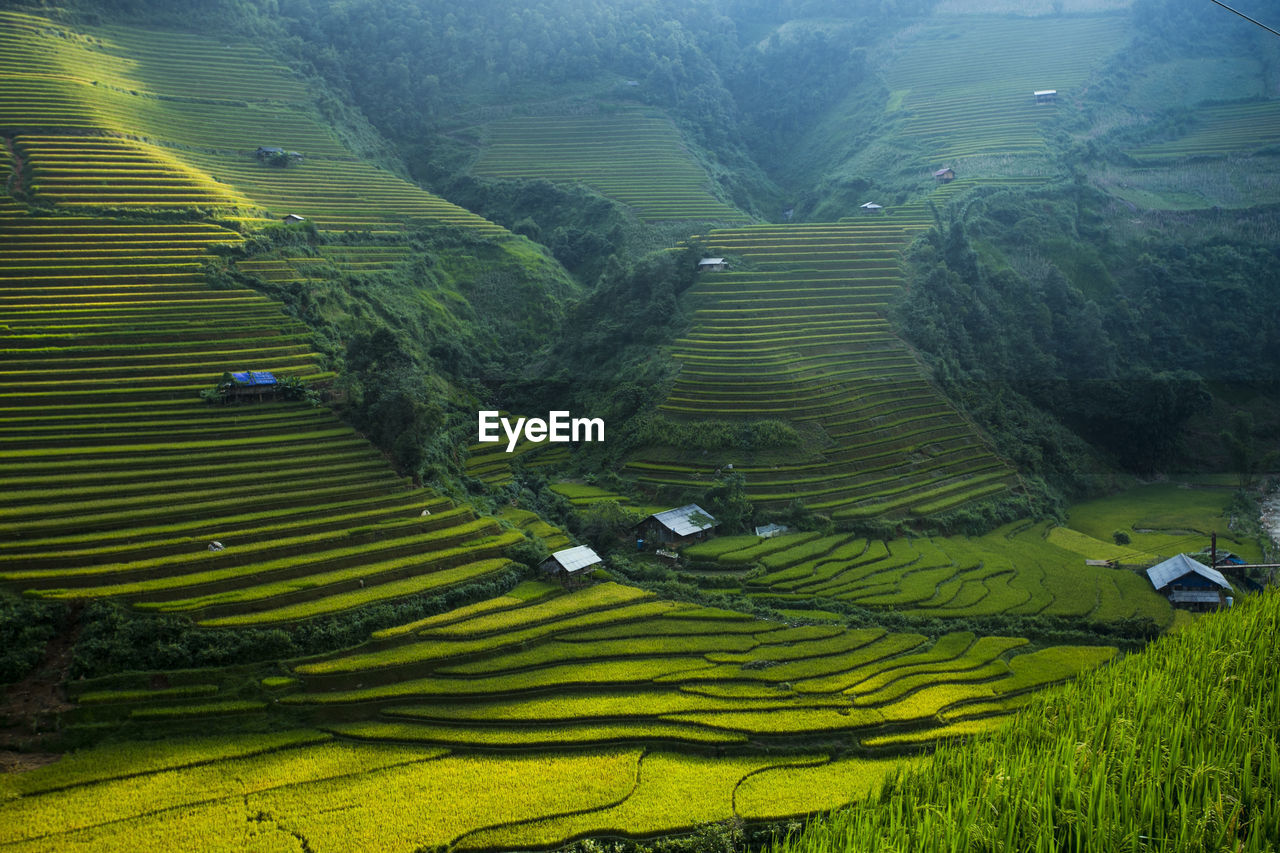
1190,584
680,526
571,564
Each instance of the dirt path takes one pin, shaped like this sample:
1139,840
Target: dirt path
31,709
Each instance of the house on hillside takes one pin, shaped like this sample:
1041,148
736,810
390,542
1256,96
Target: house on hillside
712,265
871,207
1190,585
1046,96
681,526
293,218
570,565
768,531
276,156
256,385
945,175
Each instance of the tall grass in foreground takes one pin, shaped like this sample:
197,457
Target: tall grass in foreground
1173,749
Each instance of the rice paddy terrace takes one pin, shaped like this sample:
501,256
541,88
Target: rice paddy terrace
964,84
139,119
116,476
613,711
799,334
1019,570
629,155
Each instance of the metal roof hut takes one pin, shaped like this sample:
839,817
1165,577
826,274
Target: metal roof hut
1045,96
712,265
681,526
945,175
1190,584
872,207
570,565
249,385
768,531
292,218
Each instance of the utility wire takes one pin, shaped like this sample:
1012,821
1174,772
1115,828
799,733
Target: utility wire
1246,17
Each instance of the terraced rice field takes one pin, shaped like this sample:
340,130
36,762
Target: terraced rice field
269,792
116,476
1017,570
800,335
194,112
628,155
1220,130
965,84
613,664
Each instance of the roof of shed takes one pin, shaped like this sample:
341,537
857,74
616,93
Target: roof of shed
254,377
1163,574
681,521
576,559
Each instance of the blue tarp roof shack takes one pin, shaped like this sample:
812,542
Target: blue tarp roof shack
571,564
1190,584
680,526
249,384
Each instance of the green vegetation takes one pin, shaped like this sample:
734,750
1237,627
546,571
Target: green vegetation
339,589
1105,762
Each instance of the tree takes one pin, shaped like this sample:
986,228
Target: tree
727,500
1242,448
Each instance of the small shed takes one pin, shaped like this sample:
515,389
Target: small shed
768,531
292,218
712,265
872,207
1046,96
249,385
1190,584
945,175
269,151
570,565
680,526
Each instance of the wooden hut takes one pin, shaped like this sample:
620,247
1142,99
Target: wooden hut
676,527
248,385
1045,96
570,565
1190,584
945,175
712,265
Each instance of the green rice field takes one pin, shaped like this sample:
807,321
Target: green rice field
802,336
630,155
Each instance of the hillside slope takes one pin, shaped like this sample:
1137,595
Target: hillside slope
117,476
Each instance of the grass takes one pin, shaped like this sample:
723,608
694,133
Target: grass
1107,761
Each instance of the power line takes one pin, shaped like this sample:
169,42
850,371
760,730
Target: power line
1246,17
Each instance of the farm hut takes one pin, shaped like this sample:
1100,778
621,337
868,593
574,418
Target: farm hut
293,218
265,151
1046,96
1190,584
681,526
768,531
712,265
570,565
248,385
872,207
945,175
